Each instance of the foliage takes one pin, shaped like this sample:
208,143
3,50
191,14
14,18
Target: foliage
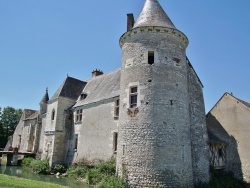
26,161
101,174
9,118
40,167
94,176
10,181
222,179
59,168
108,168
77,172
112,182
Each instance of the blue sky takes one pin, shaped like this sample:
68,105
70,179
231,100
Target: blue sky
44,40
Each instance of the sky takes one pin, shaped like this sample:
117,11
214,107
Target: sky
43,41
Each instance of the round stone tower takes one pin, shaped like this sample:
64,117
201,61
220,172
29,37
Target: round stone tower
154,142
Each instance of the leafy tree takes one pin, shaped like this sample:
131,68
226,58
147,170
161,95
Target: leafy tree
9,118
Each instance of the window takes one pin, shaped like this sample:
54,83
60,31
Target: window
79,115
53,114
151,57
76,142
115,139
220,152
83,96
133,97
116,108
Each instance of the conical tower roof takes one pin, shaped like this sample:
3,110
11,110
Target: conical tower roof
153,15
45,98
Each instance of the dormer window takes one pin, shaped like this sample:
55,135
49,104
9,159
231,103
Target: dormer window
83,96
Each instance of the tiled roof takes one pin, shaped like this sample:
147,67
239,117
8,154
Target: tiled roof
153,14
33,116
70,88
101,87
45,97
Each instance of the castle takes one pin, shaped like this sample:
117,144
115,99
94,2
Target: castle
149,114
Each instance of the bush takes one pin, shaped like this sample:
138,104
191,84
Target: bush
108,168
77,172
112,182
40,167
59,168
94,176
26,161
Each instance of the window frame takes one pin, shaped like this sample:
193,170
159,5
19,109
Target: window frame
53,114
116,107
78,116
151,57
131,95
115,142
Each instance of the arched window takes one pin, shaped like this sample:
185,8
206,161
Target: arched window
53,114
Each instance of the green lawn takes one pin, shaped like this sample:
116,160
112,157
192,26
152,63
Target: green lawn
14,182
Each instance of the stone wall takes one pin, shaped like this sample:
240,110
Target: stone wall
95,131
198,128
229,120
55,131
154,142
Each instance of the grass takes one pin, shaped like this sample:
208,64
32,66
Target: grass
14,182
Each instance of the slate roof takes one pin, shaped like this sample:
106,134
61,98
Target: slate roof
153,14
45,98
212,138
27,113
33,116
101,87
70,88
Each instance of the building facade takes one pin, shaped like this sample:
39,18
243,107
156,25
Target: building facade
149,114
229,121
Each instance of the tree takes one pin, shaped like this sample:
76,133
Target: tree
9,118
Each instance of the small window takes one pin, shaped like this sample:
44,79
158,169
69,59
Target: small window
116,108
176,59
76,142
83,96
79,115
133,97
151,57
220,152
53,114
115,139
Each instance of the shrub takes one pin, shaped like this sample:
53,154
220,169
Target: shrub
26,161
108,168
40,167
59,168
112,182
77,172
94,176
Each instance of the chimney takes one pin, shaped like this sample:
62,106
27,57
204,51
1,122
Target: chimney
96,73
130,21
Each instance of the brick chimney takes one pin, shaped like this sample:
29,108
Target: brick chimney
130,21
96,73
